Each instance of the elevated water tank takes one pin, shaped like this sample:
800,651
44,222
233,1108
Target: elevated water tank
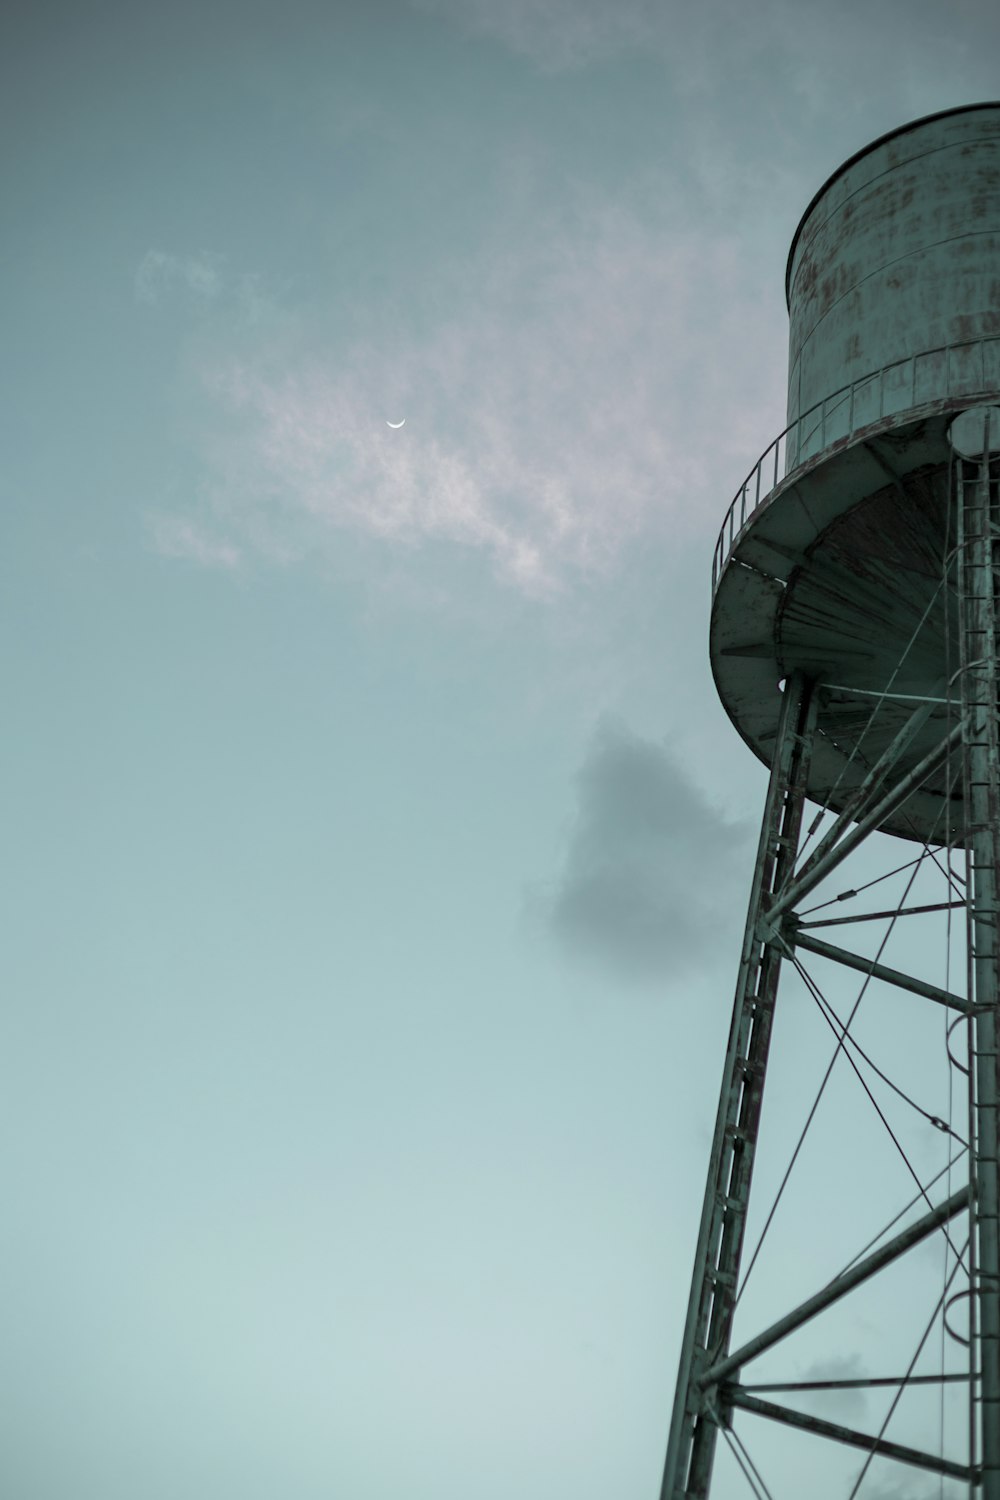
832,555
896,259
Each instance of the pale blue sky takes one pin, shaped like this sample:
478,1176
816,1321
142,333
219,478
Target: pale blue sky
376,846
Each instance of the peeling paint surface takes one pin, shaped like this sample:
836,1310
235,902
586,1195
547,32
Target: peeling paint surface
898,255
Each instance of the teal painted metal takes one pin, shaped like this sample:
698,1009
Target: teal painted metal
894,304
707,1367
963,372
906,1240
828,574
896,256
979,562
914,1457
691,1445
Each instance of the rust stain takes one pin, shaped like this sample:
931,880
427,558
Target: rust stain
806,280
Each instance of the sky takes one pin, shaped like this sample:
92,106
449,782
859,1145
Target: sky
377,847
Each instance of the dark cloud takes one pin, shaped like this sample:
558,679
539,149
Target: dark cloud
837,1406
654,875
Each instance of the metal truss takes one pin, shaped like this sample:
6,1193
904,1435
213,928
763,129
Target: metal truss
710,1381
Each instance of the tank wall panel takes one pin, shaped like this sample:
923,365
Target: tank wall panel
898,256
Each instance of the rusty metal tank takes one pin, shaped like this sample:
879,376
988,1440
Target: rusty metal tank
832,556
894,262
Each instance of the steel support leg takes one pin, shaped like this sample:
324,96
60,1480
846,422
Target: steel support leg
978,544
707,1331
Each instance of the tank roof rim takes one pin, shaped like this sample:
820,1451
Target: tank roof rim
940,114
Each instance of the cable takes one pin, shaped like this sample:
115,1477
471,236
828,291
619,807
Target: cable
831,1016
736,1440
748,1468
914,868
845,895
895,1400
949,874
815,1105
747,1475
896,1217
818,996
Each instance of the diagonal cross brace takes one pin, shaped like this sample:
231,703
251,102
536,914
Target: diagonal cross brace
796,938
737,1396
838,1288
856,805
800,886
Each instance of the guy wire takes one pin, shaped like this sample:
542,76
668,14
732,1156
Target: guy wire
910,1368
826,1076
815,1104
750,1471
818,996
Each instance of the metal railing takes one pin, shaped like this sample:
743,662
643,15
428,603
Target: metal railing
966,369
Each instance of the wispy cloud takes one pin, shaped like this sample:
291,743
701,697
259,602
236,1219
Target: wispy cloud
810,52
565,407
159,272
207,279
177,536
557,34
650,880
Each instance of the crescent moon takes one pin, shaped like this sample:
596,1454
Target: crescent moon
394,424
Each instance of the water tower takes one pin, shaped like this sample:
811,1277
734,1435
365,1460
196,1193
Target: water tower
854,643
